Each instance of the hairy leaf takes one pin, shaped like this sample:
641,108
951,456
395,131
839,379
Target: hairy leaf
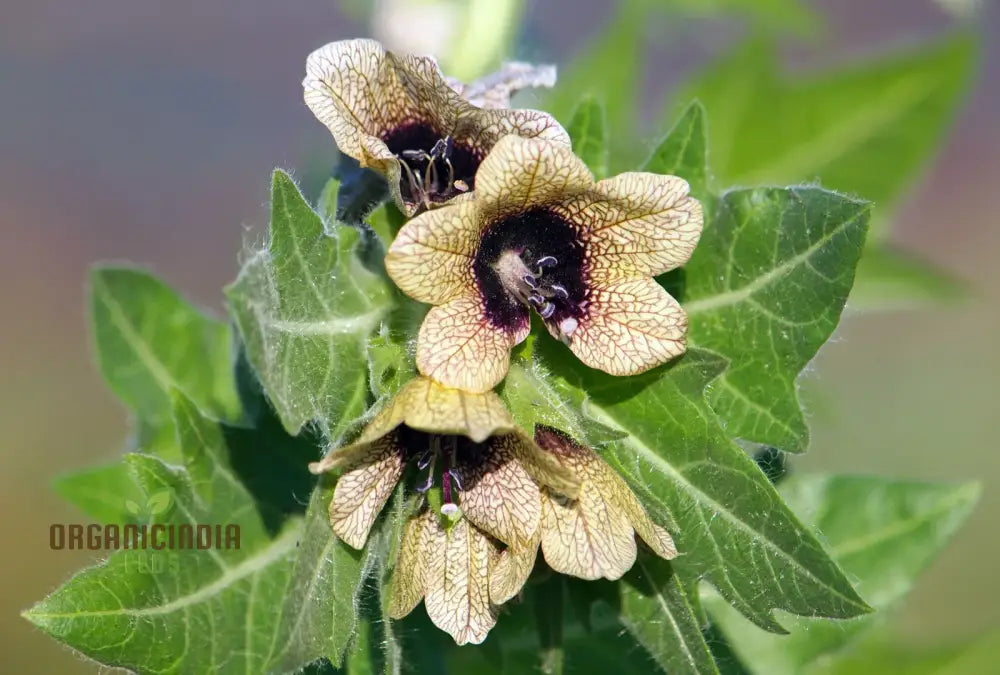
176,610
883,532
150,341
765,288
660,615
684,151
588,132
729,524
305,307
101,492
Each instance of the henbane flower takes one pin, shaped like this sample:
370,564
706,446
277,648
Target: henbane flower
397,115
488,474
540,233
593,534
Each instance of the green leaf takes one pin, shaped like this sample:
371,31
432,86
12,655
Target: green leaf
533,398
864,129
181,610
149,341
974,657
684,151
588,132
731,526
656,609
106,493
888,279
765,288
305,307
882,532
318,607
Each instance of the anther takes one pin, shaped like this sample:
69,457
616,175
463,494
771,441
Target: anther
454,477
531,280
536,299
560,291
427,485
546,261
424,461
547,310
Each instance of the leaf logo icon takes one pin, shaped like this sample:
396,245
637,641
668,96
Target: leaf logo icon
132,507
158,503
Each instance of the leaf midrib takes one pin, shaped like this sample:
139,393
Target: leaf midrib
261,560
737,295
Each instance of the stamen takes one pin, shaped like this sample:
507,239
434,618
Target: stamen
454,477
536,299
430,456
560,291
531,280
547,310
546,261
428,484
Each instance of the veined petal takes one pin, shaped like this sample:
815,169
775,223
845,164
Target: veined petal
489,126
408,575
427,405
457,581
586,537
364,488
520,173
434,408
630,327
600,480
431,258
635,225
511,571
545,469
458,347
498,496
357,89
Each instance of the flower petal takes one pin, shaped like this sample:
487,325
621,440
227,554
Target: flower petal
498,495
523,172
407,588
431,258
543,467
458,347
635,225
487,127
621,495
457,581
363,490
597,476
630,327
432,407
587,537
357,89
511,571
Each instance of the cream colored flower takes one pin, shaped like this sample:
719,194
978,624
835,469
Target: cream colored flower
592,536
397,115
541,233
472,554
466,443
457,570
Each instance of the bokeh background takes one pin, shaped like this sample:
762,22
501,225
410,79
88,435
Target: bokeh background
146,131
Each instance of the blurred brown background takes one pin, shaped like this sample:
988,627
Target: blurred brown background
146,131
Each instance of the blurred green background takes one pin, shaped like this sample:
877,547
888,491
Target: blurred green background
146,131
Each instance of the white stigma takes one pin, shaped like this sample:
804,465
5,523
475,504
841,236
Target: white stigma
567,327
